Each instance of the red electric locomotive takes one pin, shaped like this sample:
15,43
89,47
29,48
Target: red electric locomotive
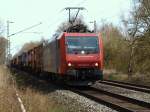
75,57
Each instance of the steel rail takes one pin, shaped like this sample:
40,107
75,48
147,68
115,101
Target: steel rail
114,101
132,84
135,87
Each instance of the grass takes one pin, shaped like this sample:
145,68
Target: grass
33,100
37,102
8,102
143,79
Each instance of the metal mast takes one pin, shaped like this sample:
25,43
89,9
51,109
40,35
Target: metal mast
8,54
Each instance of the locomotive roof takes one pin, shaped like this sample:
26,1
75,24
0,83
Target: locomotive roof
75,34
80,34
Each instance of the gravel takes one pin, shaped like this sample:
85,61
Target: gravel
125,92
77,103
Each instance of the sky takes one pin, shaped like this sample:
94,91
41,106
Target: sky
26,13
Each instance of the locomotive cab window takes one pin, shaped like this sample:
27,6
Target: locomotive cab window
82,45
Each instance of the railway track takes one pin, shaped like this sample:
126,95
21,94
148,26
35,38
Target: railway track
112,100
131,86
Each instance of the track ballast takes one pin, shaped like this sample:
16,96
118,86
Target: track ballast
112,100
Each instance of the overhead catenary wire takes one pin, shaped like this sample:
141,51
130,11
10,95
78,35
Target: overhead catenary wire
25,29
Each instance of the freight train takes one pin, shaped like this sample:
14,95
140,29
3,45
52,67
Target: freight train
75,58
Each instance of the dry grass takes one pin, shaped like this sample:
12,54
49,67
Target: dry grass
34,101
8,102
37,102
143,79
4,77
137,78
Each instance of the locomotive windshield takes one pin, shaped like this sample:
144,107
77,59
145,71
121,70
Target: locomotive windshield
82,45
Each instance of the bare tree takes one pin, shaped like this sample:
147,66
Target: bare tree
139,32
139,24
1,28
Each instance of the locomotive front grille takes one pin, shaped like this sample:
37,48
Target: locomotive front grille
85,74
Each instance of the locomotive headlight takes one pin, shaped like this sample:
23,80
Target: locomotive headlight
96,64
69,64
82,52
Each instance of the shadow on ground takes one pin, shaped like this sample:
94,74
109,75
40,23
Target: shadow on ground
26,80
